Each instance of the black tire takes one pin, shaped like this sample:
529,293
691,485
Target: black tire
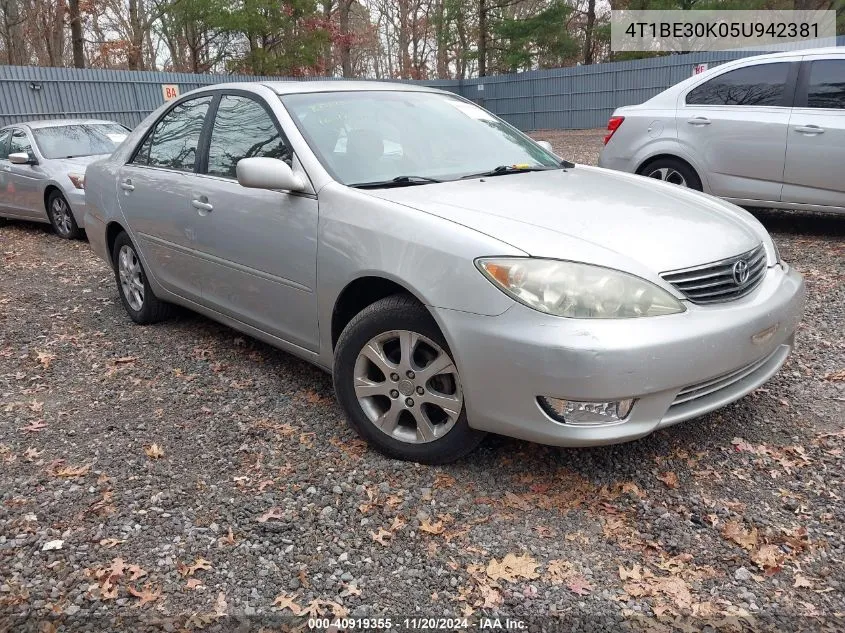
3,221
396,312
61,216
675,165
152,310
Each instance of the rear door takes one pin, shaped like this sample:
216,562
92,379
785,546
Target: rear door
259,246
155,189
736,125
815,151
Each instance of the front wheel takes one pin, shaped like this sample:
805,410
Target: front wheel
399,386
61,216
137,297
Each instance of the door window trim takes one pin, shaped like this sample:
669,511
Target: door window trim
802,89
131,160
208,129
789,89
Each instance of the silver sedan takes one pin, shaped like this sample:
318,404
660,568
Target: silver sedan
454,276
42,169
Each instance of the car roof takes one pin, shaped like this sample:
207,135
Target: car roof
292,87
34,125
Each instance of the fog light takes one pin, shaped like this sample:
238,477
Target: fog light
579,413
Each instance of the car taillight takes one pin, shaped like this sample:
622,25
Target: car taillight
612,126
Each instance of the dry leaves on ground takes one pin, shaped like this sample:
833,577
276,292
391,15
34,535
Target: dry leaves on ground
512,568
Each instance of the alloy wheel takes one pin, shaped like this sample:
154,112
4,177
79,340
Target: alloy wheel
667,174
408,386
61,215
131,277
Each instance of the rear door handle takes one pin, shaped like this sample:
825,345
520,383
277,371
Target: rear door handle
202,205
699,120
127,185
809,130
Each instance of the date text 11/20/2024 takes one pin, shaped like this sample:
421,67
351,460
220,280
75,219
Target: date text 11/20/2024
416,624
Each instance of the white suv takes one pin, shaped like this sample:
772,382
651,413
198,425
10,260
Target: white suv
765,131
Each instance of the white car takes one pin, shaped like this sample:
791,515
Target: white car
765,131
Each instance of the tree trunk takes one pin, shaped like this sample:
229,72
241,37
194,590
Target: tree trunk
76,38
134,58
441,31
404,41
343,9
482,38
56,36
588,32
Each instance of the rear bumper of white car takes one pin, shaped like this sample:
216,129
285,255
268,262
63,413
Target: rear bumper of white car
676,367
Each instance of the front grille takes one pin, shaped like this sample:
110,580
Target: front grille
720,281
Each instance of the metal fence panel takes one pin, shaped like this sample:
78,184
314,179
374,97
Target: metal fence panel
562,98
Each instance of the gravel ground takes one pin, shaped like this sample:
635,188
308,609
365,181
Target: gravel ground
185,477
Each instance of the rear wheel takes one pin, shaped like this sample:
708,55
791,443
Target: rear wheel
137,297
672,170
61,216
399,386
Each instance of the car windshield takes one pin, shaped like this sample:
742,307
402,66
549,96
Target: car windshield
81,139
417,137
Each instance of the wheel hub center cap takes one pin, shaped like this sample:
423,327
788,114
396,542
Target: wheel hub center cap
406,387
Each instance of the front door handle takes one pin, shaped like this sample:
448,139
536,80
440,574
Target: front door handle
127,185
202,205
809,130
699,120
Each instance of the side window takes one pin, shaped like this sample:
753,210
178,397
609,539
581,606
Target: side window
759,85
242,129
4,143
826,88
19,143
173,143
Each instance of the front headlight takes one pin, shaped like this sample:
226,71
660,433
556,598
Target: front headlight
78,180
579,291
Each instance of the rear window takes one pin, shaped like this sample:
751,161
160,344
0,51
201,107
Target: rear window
759,85
71,141
826,87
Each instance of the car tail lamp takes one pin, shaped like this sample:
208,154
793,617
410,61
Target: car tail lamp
612,126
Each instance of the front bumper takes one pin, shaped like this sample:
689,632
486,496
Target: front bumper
76,199
677,367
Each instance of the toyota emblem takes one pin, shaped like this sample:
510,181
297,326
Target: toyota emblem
741,272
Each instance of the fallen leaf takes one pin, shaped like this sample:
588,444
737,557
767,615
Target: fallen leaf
45,358
109,543
669,478
802,581
71,472
147,594
579,585
135,572
154,451
190,570
736,532
382,536
194,583
558,571
443,480
513,567
431,528
32,427
284,601
837,376
273,514
768,557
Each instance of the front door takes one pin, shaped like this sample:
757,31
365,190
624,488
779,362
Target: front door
259,246
735,125
24,181
155,188
815,150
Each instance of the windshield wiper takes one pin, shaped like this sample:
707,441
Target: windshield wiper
399,181
502,170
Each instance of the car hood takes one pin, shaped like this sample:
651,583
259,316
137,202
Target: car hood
78,163
591,214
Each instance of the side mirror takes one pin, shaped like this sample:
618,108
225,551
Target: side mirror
21,158
546,146
268,173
